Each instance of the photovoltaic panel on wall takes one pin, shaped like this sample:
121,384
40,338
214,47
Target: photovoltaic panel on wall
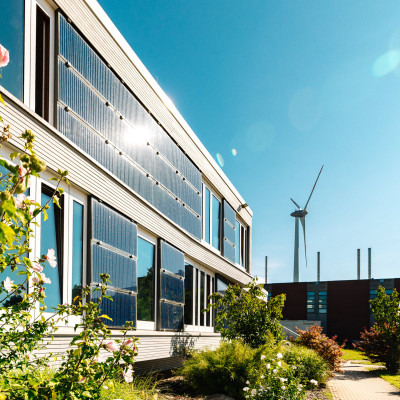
121,309
172,281
229,232
100,115
113,250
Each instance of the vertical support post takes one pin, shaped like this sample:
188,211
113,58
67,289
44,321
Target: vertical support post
318,266
296,272
369,262
266,269
358,264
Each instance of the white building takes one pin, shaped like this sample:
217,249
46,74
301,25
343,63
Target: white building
147,202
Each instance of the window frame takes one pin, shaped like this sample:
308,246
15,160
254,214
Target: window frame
197,327
219,198
242,245
29,95
148,237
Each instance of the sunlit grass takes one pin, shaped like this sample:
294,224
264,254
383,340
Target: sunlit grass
353,354
394,379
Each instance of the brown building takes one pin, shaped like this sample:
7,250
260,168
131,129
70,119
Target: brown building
341,306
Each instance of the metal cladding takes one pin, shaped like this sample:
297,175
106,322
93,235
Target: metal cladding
102,117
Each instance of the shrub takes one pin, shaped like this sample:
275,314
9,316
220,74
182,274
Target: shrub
275,381
224,370
382,342
243,314
327,348
309,364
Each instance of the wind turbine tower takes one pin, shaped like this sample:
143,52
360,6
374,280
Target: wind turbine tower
300,214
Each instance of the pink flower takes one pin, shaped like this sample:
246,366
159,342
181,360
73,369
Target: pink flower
22,170
29,356
8,283
128,342
82,380
35,279
4,56
37,267
44,279
51,258
111,346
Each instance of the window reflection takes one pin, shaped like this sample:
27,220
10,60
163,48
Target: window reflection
216,215
77,248
51,238
12,38
188,314
145,272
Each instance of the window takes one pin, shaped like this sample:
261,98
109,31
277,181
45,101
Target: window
146,280
51,237
199,285
42,63
311,302
322,302
241,245
77,248
211,218
12,38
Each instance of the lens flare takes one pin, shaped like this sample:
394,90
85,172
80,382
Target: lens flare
386,63
234,152
220,160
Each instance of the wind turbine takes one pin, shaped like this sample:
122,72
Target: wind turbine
300,214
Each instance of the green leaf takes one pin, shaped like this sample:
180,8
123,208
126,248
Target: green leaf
7,234
2,101
106,317
56,202
44,215
9,207
14,154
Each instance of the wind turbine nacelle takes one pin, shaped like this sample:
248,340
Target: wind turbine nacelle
299,213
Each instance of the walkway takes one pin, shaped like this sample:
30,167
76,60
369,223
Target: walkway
356,383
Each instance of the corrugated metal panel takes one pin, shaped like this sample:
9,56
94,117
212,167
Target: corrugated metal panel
94,30
91,177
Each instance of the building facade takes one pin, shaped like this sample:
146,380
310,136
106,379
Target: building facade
342,307
147,203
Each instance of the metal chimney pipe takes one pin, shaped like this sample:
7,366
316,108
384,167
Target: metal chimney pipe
318,266
369,262
266,269
358,264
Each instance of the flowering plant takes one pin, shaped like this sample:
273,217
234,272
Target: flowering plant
274,381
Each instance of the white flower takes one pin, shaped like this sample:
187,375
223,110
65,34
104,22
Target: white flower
44,278
262,376
282,379
253,391
128,374
4,56
82,380
29,356
245,389
279,363
35,279
275,371
111,346
8,284
294,367
19,201
262,357
51,258
22,170
283,387
247,383
268,388
279,355
105,387
268,366
37,267
314,382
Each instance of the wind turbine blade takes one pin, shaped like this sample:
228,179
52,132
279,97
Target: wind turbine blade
295,204
313,188
303,224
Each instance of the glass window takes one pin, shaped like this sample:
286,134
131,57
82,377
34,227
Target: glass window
221,286
208,320
311,302
237,248
77,248
12,38
196,298
216,222
188,313
241,244
51,238
207,215
145,273
323,302
202,284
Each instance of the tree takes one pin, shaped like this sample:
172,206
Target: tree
382,342
242,313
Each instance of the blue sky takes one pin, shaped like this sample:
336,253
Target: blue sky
290,85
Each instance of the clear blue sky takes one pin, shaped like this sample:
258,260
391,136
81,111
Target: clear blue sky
290,85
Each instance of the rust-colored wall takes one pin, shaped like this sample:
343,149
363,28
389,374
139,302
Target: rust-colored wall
296,299
348,308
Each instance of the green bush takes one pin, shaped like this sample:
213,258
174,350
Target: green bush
308,364
224,370
243,314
